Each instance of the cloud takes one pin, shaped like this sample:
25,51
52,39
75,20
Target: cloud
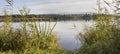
64,6
55,6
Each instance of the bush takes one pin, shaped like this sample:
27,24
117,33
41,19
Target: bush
102,39
26,41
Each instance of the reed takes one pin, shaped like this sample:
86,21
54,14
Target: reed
38,39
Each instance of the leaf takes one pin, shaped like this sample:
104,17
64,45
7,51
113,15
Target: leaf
117,8
10,2
107,3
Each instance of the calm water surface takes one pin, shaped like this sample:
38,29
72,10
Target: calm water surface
67,32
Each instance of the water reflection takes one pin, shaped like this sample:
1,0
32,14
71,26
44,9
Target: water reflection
67,33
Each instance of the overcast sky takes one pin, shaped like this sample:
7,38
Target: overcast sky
53,6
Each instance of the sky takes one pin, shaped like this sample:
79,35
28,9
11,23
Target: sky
52,6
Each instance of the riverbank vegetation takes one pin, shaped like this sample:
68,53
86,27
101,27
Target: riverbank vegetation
19,41
29,38
104,37
54,17
33,38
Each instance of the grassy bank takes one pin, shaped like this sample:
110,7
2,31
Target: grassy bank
33,38
29,38
104,37
39,39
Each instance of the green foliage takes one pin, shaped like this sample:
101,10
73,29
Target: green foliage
38,40
101,40
10,2
104,38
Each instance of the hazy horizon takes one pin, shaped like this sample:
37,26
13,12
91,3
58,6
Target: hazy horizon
53,6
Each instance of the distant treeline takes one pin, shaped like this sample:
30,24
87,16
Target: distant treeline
59,17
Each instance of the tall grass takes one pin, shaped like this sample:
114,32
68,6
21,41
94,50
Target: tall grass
38,39
104,38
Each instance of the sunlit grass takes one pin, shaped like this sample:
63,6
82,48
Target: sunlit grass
104,38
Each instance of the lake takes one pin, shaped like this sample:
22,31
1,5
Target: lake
66,32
